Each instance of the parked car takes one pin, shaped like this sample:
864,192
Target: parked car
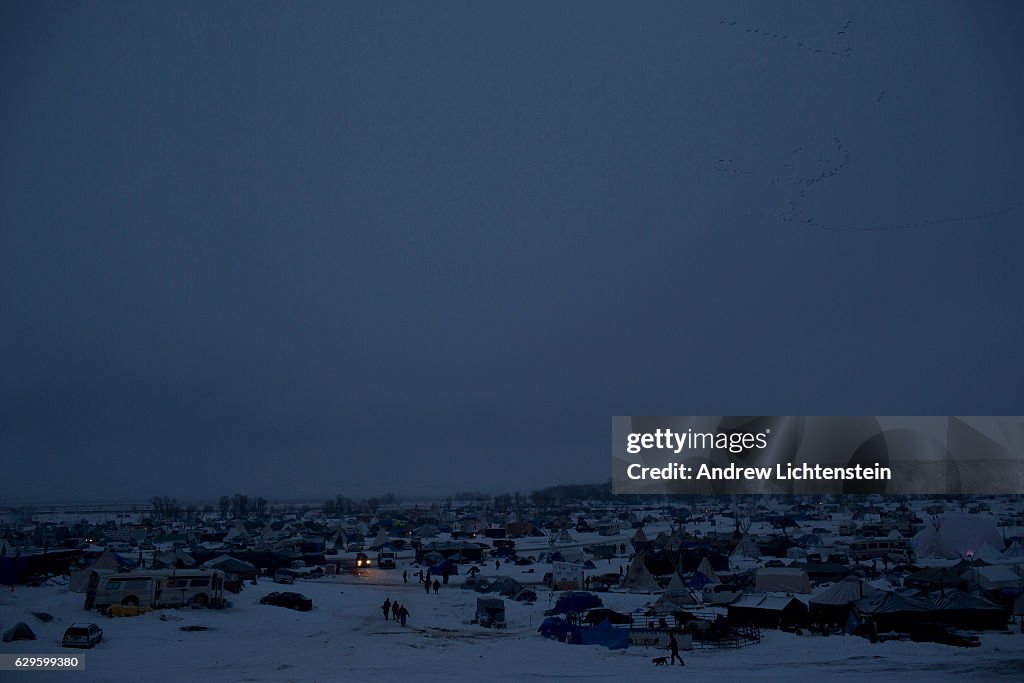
82,635
940,633
284,576
296,601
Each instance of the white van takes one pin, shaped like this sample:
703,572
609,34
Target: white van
156,588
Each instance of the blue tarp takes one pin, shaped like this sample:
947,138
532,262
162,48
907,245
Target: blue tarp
603,634
554,627
698,581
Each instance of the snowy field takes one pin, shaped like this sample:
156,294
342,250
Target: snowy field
345,638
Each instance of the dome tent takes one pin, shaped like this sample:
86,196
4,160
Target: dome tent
955,534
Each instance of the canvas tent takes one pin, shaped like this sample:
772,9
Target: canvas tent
175,558
638,579
380,540
232,565
849,590
782,579
676,583
989,553
993,577
675,600
832,605
745,549
79,578
707,570
767,611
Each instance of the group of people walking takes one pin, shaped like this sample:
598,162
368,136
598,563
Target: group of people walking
394,611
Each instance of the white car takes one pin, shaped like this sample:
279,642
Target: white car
82,635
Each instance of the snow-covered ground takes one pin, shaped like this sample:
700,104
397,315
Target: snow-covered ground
346,638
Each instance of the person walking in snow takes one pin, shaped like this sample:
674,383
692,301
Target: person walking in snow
673,645
403,614
437,586
426,584
405,576
394,610
497,565
386,607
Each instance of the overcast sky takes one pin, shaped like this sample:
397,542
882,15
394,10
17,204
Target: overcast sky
299,249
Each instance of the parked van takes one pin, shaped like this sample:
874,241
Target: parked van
870,548
156,588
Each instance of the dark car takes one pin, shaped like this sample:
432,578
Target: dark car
296,601
940,633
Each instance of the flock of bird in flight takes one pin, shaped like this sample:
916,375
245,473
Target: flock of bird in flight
813,48
804,175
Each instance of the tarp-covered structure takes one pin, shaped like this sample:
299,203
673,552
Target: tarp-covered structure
575,602
832,605
505,585
993,577
604,634
233,565
175,558
891,611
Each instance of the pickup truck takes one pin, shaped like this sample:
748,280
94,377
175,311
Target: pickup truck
386,559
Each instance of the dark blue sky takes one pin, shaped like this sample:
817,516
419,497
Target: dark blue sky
309,248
